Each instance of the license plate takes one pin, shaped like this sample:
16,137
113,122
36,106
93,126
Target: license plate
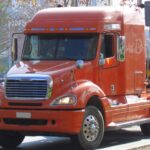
24,115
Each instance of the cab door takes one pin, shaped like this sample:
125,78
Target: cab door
109,69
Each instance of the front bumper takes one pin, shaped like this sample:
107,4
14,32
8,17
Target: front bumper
59,121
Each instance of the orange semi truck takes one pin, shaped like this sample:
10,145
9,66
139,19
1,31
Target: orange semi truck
82,72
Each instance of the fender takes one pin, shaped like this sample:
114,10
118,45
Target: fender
86,89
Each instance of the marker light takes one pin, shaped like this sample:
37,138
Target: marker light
37,29
52,29
112,27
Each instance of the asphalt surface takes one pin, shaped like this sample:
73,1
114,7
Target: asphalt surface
125,139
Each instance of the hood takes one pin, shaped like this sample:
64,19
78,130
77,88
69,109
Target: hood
64,74
41,67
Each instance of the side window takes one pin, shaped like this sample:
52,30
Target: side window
107,47
32,47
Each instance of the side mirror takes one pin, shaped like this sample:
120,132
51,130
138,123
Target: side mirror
121,48
17,46
15,49
79,64
102,59
147,13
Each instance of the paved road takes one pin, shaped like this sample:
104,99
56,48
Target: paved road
126,139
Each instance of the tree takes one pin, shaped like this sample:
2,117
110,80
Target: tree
3,33
66,2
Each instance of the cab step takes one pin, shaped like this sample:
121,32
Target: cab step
119,125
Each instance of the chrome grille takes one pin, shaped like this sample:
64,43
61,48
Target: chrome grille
27,86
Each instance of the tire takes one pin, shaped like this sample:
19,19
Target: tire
10,139
145,128
92,130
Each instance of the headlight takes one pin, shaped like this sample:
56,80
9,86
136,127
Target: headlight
66,100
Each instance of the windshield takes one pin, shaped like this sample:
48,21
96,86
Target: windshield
60,47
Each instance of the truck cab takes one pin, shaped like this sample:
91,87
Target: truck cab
82,71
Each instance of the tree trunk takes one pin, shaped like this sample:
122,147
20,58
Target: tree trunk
66,3
74,3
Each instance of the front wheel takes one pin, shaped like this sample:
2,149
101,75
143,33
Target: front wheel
92,130
145,128
10,139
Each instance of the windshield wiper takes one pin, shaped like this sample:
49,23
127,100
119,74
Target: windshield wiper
70,58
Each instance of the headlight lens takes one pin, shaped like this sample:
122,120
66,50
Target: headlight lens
66,100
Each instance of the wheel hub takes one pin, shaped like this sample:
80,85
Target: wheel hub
90,128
